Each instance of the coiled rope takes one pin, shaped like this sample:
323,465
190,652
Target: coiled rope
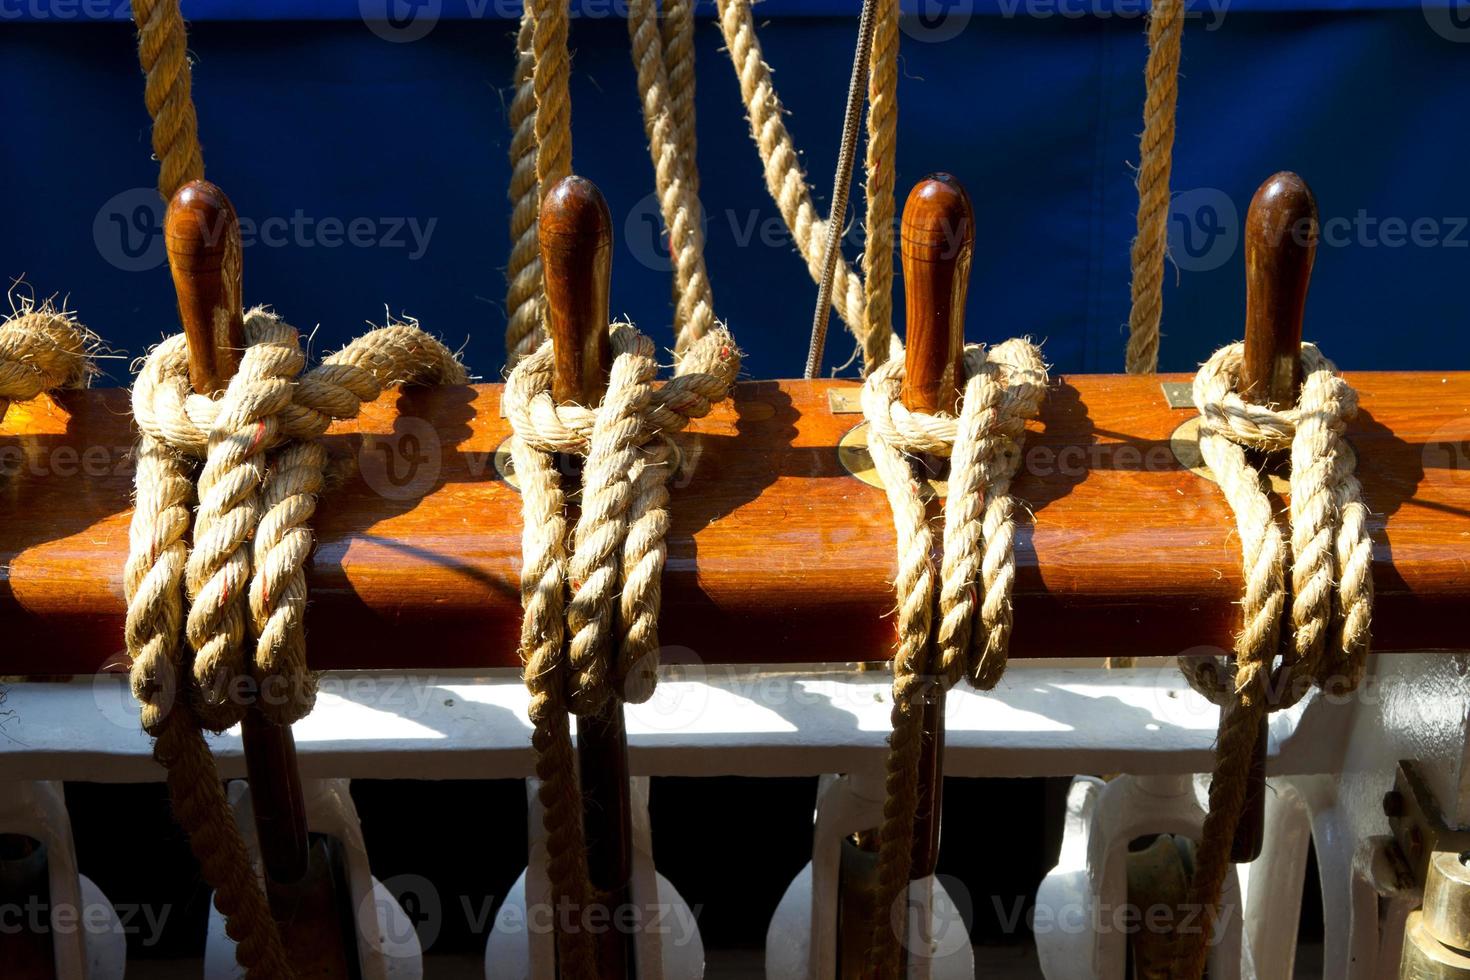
1156,160
589,636
1330,557
237,593
1004,387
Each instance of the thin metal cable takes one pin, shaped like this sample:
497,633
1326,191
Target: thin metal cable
855,88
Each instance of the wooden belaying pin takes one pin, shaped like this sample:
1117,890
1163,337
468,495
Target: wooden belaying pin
575,239
1280,246
201,235
937,240
202,240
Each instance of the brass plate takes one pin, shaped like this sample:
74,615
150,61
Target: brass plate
1178,394
852,453
504,467
845,401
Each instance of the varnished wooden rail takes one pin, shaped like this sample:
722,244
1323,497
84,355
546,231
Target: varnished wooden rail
776,553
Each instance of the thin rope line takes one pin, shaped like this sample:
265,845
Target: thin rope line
856,84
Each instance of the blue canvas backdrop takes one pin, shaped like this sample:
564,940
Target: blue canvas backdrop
367,158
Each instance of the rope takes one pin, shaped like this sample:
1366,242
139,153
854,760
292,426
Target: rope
42,349
1331,595
881,172
1004,387
163,51
671,146
245,573
523,332
1156,158
589,635
784,178
841,184
677,32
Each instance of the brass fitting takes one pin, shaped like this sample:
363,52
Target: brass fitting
1437,938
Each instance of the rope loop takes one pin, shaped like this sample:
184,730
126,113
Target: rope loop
1004,388
1329,557
609,582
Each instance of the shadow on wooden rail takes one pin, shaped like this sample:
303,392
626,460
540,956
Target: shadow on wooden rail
776,553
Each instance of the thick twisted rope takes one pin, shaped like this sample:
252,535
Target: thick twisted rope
785,180
671,147
541,154
589,635
1156,160
1331,595
245,574
163,51
1004,388
42,349
881,166
523,332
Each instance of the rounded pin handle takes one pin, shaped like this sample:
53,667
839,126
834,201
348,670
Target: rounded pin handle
202,238
575,238
937,240
1281,230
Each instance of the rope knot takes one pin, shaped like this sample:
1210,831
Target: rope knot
244,571
1004,387
611,580
1329,557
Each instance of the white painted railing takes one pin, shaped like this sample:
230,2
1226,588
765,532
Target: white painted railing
1330,761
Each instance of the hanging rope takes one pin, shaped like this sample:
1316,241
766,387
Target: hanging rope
244,575
1331,595
881,172
589,636
784,178
1156,159
163,51
1004,387
671,146
523,332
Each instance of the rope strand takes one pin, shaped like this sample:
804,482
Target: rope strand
1330,544
1004,388
1156,160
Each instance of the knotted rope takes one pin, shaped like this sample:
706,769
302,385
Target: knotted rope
1156,160
589,636
787,183
1331,594
42,349
244,574
1004,387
